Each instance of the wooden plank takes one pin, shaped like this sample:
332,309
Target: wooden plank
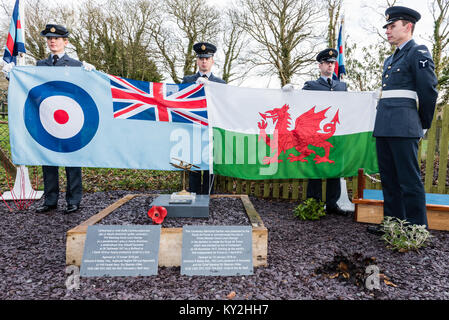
430,157
304,189
260,247
286,190
360,183
266,189
373,213
103,213
257,191
438,220
248,187
368,213
223,184
444,147
323,190
230,185
8,165
238,188
276,189
251,212
295,189
75,248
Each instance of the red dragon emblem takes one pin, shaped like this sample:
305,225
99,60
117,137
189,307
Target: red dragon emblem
306,132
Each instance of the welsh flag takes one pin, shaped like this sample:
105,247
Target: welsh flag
258,134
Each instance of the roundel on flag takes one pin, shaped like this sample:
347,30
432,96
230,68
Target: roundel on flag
61,116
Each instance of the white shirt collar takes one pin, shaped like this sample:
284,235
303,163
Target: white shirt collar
403,45
60,55
208,74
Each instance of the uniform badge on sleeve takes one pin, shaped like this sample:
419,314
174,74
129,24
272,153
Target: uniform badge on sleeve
423,64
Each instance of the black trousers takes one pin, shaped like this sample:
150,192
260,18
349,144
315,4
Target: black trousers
403,190
333,190
51,185
198,185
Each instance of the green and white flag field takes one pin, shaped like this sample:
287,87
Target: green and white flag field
258,134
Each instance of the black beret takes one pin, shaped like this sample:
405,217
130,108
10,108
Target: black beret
204,49
396,13
54,30
328,54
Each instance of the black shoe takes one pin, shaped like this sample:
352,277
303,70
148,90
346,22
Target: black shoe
376,230
72,208
337,211
46,208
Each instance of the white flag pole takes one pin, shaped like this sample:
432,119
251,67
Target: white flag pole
22,189
343,202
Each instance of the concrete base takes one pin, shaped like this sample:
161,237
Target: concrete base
197,209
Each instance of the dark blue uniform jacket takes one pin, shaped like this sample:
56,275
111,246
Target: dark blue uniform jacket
410,69
194,77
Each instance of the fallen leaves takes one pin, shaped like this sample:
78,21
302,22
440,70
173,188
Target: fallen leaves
386,280
231,295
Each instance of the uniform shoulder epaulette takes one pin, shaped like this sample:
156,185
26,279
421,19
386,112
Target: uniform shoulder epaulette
306,84
421,50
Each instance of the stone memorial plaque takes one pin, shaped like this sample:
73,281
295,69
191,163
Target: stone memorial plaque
194,209
112,250
217,250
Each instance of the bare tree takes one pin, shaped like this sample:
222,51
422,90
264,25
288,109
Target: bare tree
114,37
334,14
179,25
379,11
440,41
37,14
364,64
283,31
233,43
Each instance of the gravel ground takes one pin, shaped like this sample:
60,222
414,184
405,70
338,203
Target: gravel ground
306,259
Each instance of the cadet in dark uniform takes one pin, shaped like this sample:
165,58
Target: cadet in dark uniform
205,61
326,59
408,76
57,40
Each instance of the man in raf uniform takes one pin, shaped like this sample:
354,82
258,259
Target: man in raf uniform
57,40
205,61
327,59
408,76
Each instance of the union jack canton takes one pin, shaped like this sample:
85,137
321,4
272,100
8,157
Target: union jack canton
151,101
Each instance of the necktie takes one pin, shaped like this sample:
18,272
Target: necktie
329,81
204,75
396,52
55,59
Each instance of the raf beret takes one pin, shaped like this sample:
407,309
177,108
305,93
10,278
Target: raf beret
329,55
396,13
54,30
204,49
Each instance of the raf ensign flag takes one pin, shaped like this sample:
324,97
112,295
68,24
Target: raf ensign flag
75,117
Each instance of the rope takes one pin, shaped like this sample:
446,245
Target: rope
372,178
20,200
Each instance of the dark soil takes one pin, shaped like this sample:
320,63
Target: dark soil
322,259
225,211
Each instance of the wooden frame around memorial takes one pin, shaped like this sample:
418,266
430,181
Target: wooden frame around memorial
372,211
171,238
